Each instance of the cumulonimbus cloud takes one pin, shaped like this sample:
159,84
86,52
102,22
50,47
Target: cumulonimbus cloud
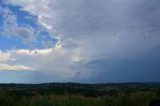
95,30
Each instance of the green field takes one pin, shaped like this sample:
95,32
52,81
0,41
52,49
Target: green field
74,94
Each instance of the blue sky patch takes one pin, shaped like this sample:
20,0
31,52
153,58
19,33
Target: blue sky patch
24,20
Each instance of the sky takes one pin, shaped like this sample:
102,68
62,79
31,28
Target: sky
86,41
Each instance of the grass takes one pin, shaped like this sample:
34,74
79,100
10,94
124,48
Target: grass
135,99
23,96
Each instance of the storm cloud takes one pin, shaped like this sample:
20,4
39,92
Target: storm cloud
99,40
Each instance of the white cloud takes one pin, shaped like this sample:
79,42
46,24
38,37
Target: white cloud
10,27
3,56
54,61
7,67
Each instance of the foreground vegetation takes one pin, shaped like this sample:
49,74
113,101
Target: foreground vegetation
69,94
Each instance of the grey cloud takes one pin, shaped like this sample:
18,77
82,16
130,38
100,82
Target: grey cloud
146,70
27,35
104,33
100,18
